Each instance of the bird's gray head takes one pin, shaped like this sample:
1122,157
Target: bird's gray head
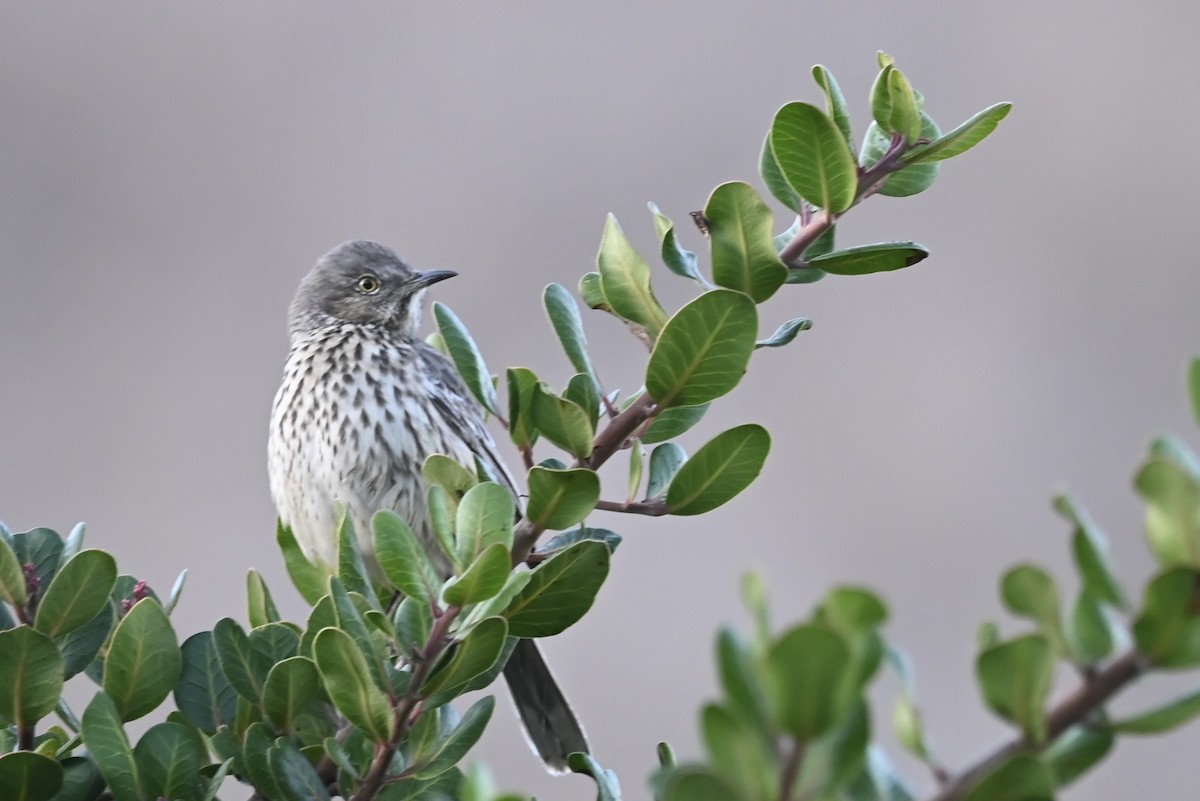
361,282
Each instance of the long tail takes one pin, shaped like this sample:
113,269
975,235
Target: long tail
551,727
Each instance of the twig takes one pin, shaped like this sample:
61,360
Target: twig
791,769
608,442
655,508
618,430
1076,707
869,182
404,708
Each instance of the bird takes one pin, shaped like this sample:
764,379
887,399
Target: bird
363,402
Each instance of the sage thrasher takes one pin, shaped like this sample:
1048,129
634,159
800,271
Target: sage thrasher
362,404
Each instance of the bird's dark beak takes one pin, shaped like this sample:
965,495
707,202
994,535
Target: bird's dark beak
427,277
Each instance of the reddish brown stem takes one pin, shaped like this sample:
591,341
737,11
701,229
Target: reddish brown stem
1074,709
402,712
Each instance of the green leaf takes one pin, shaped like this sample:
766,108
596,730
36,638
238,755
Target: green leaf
852,610
565,539
584,392
80,648
906,116
835,102
743,250
670,423
1015,678
559,499
350,621
703,350
1076,751
1022,778
1194,387
1090,551
722,468
739,673
625,281
476,654
203,694
169,757
562,422
29,776
591,291
402,557
773,178
294,774
522,384
291,685
1089,629
308,579
881,98
962,138
485,517
413,622
1172,498
665,461
81,780
78,593
865,259
1030,592
739,752
351,569
260,604
42,548
838,756
678,260
74,542
448,474
754,597
442,509
483,579
907,180
814,158
637,464
32,676
1173,450
245,667
466,357
909,727
143,660
785,333
217,780
568,325
257,743
1163,719
12,577
348,681
694,783
607,787
176,591
807,672
1168,630
451,750
108,745
560,591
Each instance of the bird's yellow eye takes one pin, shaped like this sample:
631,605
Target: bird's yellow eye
368,284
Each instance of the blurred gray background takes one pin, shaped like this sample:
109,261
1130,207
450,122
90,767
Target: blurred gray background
168,173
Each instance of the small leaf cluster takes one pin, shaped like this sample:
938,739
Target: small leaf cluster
66,611
700,352
793,718
356,700
793,722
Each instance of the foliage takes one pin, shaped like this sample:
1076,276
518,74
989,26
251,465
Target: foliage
356,700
